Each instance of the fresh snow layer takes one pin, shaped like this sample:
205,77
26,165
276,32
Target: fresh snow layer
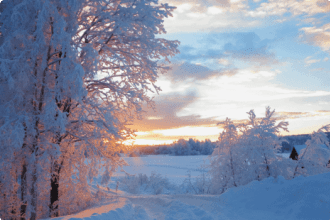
300,198
175,168
303,146
271,199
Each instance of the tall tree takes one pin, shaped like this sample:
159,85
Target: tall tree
73,74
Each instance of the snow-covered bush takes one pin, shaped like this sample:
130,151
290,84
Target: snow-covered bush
141,183
130,183
199,185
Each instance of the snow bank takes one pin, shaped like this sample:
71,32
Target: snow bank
300,198
271,199
120,210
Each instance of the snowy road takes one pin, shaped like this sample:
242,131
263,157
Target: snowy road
166,207
303,198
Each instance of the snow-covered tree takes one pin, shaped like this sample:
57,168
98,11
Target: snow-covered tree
247,152
262,136
222,163
314,159
73,74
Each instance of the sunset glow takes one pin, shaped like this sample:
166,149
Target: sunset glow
237,56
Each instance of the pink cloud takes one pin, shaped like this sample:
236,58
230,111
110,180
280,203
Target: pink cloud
319,36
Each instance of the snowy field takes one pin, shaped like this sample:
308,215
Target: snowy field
272,199
175,168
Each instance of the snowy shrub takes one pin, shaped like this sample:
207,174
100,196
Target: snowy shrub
158,183
130,184
200,185
140,183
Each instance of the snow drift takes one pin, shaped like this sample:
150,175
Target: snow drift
271,198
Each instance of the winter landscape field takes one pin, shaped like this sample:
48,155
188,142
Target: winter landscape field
272,198
165,109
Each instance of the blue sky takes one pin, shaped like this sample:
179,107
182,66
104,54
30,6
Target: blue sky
238,55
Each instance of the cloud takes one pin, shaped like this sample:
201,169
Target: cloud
249,47
226,96
224,62
223,15
204,5
184,71
211,131
220,51
319,36
165,115
190,73
292,115
295,7
194,16
309,61
244,46
189,53
191,131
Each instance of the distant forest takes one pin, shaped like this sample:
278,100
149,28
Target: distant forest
184,147
179,148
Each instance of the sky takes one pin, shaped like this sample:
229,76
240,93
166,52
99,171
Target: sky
238,55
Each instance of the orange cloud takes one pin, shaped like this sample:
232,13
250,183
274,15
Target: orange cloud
165,115
211,130
296,115
317,36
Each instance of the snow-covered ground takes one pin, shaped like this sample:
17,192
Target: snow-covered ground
303,146
175,168
300,198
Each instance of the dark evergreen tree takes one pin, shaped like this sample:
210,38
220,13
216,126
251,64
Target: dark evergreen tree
294,154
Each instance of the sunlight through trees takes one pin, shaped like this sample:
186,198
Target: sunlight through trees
73,75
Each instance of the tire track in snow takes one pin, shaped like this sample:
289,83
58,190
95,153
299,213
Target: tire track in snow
172,207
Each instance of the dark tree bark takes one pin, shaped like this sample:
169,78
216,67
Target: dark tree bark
54,192
55,175
23,192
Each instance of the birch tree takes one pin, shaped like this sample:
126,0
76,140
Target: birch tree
73,75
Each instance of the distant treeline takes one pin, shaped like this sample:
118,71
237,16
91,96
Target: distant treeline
180,148
297,140
195,147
